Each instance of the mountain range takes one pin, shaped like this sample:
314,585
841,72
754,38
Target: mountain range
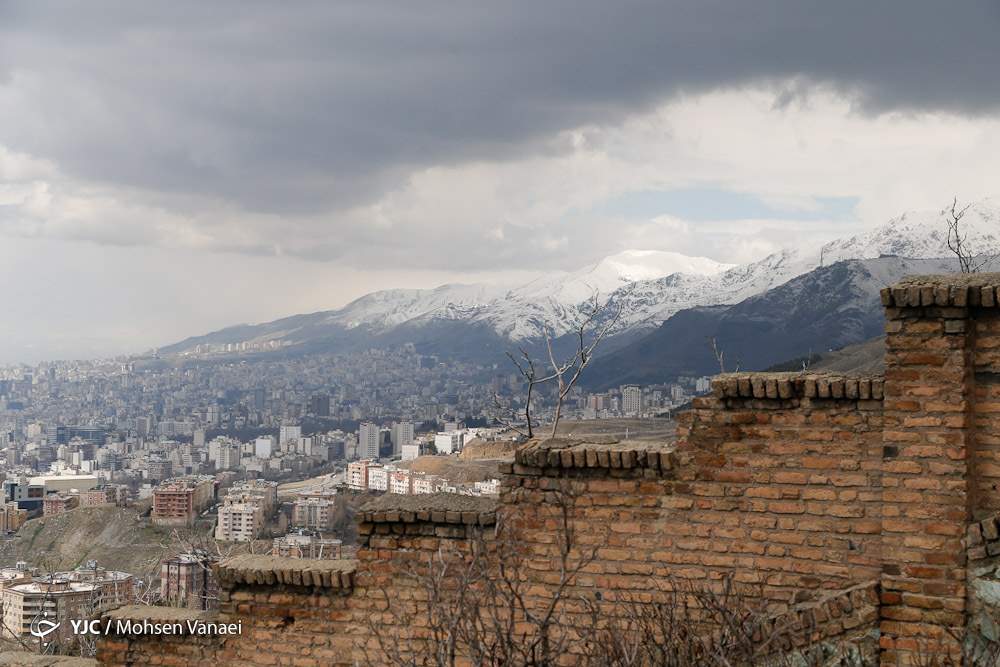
820,297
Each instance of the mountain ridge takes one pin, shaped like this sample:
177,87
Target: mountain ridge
644,284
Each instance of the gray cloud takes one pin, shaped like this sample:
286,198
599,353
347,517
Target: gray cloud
312,107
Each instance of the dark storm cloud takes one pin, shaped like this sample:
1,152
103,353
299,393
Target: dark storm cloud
302,107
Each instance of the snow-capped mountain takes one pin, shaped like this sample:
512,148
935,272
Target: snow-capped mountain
826,308
388,308
920,235
650,286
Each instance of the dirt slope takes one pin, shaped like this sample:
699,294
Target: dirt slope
117,538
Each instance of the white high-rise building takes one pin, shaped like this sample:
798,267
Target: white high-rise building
263,447
401,436
369,438
289,434
632,399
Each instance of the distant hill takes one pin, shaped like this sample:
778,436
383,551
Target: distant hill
825,309
863,358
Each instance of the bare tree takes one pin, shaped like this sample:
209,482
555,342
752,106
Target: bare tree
526,367
720,355
568,372
968,260
564,373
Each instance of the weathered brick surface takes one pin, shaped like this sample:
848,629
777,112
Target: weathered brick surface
840,504
927,479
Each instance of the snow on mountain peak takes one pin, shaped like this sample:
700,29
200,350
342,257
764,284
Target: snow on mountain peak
922,235
632,265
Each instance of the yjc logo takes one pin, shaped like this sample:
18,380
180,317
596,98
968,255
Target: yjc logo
85,627
42,628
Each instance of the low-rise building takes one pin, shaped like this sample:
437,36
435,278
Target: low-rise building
314,513
423,483
57,503
399,482
240,520
64,483
357,474
265,490
489,487
12,517
55,599
378,478
110,494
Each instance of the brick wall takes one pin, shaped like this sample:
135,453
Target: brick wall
841,503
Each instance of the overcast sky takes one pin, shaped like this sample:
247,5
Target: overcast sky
171,168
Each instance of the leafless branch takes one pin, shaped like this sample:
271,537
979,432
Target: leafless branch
969,261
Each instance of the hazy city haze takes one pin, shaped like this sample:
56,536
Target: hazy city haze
167,170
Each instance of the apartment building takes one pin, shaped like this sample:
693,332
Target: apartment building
57,503
105,495
85,592
378,478
240,520
357,473
426,483
400,482
262,489
12,517
178,501
55,599
11,576
186,580
113,588
314,513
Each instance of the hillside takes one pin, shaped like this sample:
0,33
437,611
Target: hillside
452,468
826,309
624,428
864,358
117,538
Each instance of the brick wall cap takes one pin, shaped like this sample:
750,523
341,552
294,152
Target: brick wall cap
796,385
434,507
266,570
951,280
606,453
957,290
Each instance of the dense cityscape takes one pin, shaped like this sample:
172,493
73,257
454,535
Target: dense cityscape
209,443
